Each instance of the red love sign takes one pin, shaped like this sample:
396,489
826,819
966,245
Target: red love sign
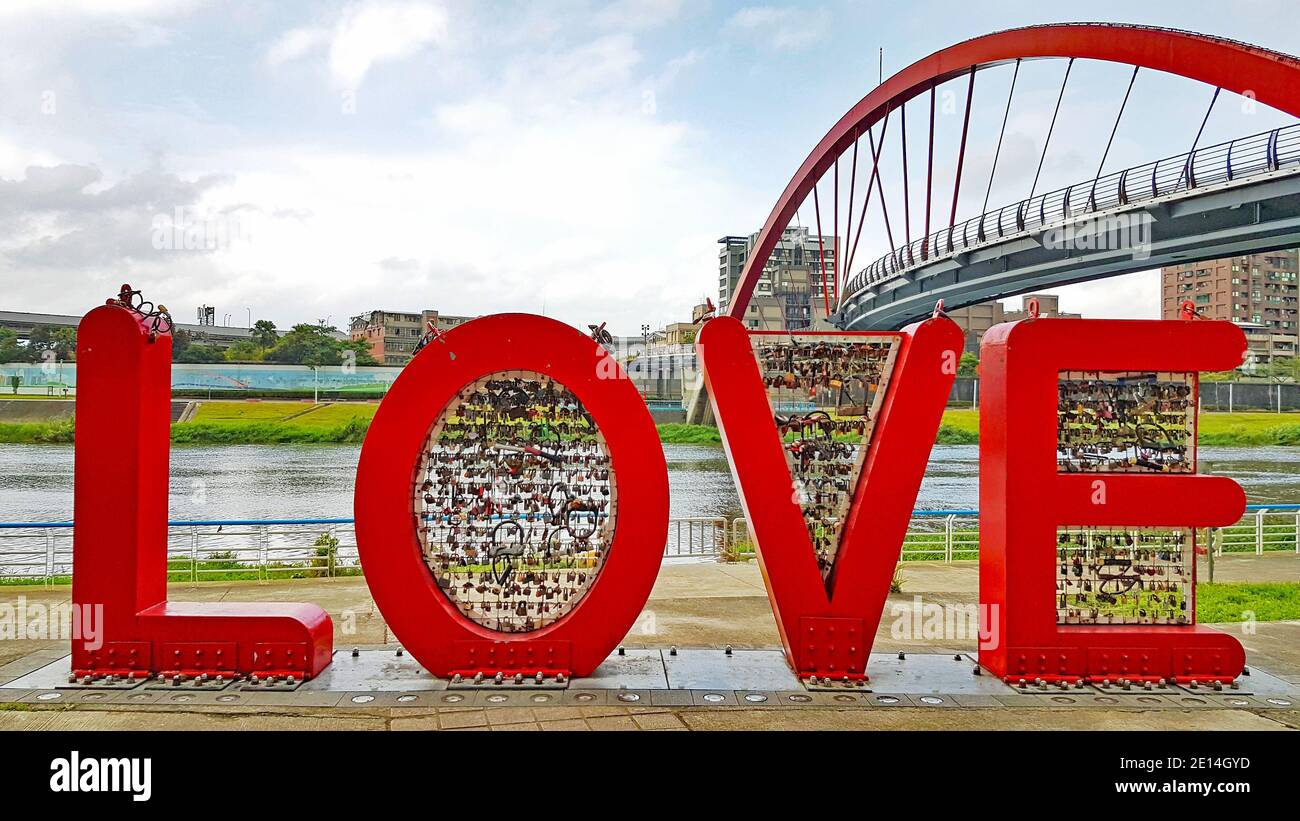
512,499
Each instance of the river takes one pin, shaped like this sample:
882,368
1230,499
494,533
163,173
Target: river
315,481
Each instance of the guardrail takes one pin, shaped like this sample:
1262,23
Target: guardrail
1212,165
267,549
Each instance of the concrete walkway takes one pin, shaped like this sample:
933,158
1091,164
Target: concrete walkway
696,605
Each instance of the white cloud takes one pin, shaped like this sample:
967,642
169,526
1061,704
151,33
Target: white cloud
97,8
473,116
786,28
378,32
297,43
365,34
546,186
638,14
607,217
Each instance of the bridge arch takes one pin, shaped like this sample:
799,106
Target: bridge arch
1271,77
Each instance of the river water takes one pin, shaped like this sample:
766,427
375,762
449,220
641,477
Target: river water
316,481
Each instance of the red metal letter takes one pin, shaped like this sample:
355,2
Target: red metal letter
460,535
828,601
1032,510
120,538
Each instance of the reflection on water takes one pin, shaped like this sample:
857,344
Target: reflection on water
315,481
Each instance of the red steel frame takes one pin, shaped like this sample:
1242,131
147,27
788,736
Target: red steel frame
120,535
1272,78
1023,499
830,635
427,623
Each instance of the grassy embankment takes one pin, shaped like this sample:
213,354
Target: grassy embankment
346,422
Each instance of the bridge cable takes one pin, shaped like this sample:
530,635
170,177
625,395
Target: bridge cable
848,219
1092,194
929,177
961,154
1050,128
835,194
821,251
1191,154
866,200
998,151
907,208
884,207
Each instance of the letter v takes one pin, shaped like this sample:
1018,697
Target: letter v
828,608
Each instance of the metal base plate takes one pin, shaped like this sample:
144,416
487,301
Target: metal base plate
514,683
690,677
211,685
101,683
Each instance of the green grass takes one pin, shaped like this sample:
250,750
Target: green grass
247,411
36,433
1249,429
1235,602
297,414
679,434
267,433
272,422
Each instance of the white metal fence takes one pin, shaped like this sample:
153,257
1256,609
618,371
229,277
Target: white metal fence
316,548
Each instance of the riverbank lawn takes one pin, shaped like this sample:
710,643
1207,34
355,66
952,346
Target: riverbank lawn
292,413
1241,602
272,422
1259,428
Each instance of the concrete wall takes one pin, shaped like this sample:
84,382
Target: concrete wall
35,410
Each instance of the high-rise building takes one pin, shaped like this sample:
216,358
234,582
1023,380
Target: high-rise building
393,335
790,292
1255,288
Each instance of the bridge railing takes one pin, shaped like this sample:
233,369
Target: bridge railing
265,550
1211,165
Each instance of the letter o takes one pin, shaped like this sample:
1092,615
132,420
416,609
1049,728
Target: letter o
423,617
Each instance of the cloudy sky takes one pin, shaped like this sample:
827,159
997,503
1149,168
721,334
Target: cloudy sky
568,157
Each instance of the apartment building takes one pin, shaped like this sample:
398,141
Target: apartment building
393,335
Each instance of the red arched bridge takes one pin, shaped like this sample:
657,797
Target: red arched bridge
1209,201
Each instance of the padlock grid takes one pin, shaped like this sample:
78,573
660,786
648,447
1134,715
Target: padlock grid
1126,422
825,391
516,501
1124,575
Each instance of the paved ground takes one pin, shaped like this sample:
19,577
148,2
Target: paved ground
700,605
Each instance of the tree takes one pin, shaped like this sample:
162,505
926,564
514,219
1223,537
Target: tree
315,346
307,344
245,350
14,381
10,349
180,342
1282,369
196,354
264,333
968,365
362,350
47,339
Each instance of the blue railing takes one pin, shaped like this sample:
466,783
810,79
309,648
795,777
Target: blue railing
34,552
349,520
